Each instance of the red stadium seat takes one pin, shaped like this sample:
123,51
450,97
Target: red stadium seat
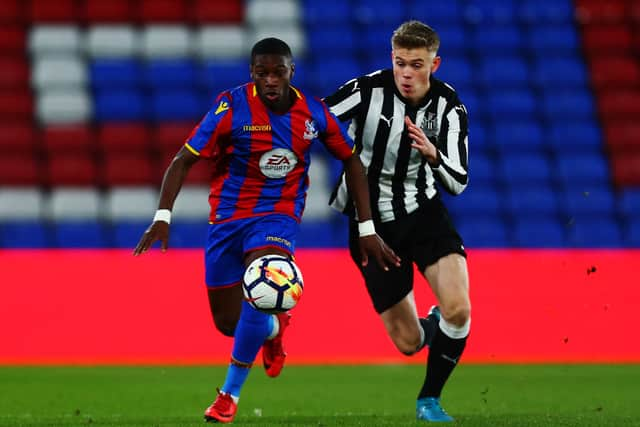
18,137
609,39
19,169
614,72
121,169
163,11
96,11
228,11
597,11
126,137
12,11
169,137
16,104
52,11
14,72
63,139
200,173
12,40
71,169
619,104
622,136
626,169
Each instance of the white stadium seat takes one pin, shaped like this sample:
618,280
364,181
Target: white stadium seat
122,203
55,39
277,12
63,106
192,203
20,203
292,34
222,41
166,41
59,71
112,41
70,203
317,206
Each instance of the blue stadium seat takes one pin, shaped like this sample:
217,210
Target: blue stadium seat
577,203
81,234
477,134
454,39
376,39
503,38
504,71
629,202
583,171
478,199
317,14
171,74
120,105
568,137
482,232
511,103
331,42
600,232
24,234
490,12
553,39
546,11
438,15
172,105
517,136
568,104
560,72
378,11
332,73
522,169
323,234
632,233
188,234
115,73
531,201
126,234
481,170
457,71
538,233
220,75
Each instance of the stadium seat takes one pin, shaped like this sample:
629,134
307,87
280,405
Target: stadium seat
317,14
323,234
504,38
74,204
589,12
612,39
560,72
517,136
583,171
166,41
536,12
127,169
112,11
14,72
178,105
566,136
12,11
622,136
614,72
481,200
125,234
531,201
375,12
458,72
538,233
124,138
112,41
16,104
157,11
59,72
272,12
509,71
115,74
334,73
481,169
18,137
192,203
438,15
568,105
19,169
588,203
64,106
189,234
293,33
524,169
222,42
221,11
511,104
120,105
483,232
334,41
81,234
489,13
626,169
130,203
68,139
170,74
628,202
619,104
454,39
20,204
12,39
55,40
47,11
553,40
71,169
24,234
168,137
601,232
219,75
632,234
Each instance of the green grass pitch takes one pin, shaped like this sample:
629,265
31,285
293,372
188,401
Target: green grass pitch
319,396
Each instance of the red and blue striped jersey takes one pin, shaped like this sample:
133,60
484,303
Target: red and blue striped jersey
261,158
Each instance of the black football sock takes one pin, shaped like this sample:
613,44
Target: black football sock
444,354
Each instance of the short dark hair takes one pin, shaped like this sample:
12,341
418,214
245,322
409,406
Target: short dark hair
270,46
415,34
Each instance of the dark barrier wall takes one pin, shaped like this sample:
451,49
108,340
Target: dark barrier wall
104,306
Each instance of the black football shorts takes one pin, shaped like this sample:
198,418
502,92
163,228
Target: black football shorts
422,237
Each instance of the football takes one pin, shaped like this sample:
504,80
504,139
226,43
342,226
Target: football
272,284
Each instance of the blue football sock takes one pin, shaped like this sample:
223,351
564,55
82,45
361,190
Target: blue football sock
252,329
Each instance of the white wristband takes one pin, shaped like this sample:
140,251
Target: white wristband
162,215
366,228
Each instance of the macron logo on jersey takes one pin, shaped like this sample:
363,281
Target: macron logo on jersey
224,106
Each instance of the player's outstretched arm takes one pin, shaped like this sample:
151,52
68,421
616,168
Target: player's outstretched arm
171,184
370,243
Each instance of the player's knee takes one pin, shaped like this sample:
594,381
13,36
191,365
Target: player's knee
457,313
406,343
225,324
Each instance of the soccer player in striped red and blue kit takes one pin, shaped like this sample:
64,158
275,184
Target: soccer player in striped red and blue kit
258,137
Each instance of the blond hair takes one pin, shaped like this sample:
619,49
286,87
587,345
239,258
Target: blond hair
415,34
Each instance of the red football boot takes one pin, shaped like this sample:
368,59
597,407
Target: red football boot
222,410
273,354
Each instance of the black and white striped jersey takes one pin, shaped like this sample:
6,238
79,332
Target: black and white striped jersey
400,179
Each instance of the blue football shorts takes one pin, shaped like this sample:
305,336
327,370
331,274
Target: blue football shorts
230,241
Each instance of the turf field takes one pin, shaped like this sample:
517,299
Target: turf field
477,395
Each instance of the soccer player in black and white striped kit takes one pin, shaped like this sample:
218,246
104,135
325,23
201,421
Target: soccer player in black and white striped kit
411,132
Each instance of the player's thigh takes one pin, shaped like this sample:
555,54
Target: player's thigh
449,280
401,320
